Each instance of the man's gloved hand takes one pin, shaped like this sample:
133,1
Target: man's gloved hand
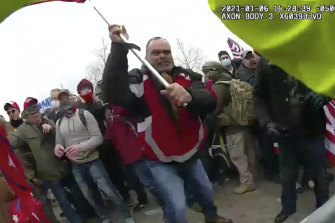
212,122
272,129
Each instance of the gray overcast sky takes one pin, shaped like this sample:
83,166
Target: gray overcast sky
49,44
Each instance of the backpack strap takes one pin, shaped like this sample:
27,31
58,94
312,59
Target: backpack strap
222,82
82,117
60,121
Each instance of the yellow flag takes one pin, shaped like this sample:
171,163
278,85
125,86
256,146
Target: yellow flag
297,35
7,7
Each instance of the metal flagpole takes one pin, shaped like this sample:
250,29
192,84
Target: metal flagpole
144,61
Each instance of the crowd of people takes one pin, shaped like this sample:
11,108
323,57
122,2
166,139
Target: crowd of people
131,132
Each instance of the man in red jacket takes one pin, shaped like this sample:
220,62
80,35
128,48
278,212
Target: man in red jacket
170,135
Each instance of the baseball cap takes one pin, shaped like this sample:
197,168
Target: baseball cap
29,101
245,53
11,104
62,92
30,106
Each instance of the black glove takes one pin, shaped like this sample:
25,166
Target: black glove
272,129
275,130
212,122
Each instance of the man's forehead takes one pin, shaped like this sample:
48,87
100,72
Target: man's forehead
225,56
10,107
159,44
249,56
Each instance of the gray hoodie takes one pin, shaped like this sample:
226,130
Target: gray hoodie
72,131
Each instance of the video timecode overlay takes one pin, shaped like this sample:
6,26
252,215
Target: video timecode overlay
281,12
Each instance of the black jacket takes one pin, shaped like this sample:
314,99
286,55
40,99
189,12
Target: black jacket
284,100
246,75
124,89
97,109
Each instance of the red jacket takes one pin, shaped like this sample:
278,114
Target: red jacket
121,130
163,135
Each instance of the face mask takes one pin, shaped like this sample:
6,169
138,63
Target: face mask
55,104
226,63
88,97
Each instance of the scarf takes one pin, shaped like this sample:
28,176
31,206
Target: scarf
16,123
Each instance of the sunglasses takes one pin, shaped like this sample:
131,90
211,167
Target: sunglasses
9,112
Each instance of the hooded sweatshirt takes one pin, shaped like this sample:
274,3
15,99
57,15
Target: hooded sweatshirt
71,131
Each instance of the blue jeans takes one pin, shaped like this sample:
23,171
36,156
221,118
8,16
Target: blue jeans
96,170
170,178
145,176
63,201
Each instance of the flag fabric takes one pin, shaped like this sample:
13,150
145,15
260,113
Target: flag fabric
11,167
25,209
7,7
303,48
235,48
330,131
78,1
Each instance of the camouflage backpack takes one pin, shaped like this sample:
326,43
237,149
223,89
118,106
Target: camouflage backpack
241,108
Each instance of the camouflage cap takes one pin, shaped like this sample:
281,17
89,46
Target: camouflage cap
31,109
215,71
212,66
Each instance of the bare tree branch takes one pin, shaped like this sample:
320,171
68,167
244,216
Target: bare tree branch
94,71
190,58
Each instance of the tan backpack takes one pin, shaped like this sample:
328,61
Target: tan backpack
242,106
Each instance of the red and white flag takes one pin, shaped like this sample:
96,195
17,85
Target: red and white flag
25,208
330,131
235,48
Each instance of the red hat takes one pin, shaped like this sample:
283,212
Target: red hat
29,101
11,104
84,83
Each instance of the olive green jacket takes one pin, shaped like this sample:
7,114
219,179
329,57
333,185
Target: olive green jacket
48,167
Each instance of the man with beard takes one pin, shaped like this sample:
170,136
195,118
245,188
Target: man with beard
247,70
170,135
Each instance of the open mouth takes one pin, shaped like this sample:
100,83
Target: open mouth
164,63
